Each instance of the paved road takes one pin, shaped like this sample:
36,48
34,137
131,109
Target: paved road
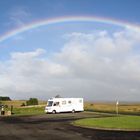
56,127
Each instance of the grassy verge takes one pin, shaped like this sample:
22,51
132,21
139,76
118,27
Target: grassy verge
28,111
120,122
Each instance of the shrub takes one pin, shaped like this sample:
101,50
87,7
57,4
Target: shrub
23,104
32,101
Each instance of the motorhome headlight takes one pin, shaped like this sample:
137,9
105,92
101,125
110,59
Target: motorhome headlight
47,108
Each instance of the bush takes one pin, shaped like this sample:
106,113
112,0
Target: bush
32,101
23,104
6,106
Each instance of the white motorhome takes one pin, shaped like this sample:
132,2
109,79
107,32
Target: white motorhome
57,105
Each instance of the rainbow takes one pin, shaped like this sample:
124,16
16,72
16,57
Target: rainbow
45,22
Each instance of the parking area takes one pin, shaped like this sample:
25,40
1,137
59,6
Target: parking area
57,127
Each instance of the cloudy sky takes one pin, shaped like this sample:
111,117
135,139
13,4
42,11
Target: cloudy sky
98,61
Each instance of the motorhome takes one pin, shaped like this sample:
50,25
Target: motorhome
57,105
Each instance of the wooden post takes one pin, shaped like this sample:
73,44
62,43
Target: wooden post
117,107
11,109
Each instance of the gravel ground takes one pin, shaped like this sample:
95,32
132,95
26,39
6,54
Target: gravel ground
56,127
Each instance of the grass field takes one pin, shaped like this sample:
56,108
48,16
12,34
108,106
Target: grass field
129,108
120,122
29,110
18,103
25,110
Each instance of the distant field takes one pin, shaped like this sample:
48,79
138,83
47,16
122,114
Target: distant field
121,122
18,103
131,108
14,103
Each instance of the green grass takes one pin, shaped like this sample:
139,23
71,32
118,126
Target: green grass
120,122
28,111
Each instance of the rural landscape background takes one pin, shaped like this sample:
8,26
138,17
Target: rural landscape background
21,107
85,49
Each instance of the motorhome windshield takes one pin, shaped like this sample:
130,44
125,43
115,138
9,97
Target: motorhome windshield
50,103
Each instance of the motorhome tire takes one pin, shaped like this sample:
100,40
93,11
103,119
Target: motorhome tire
53,112
73,111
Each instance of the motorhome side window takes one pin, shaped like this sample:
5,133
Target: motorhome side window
69,102
56,104
63,102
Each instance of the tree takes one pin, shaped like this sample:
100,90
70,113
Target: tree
32,101
2,98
